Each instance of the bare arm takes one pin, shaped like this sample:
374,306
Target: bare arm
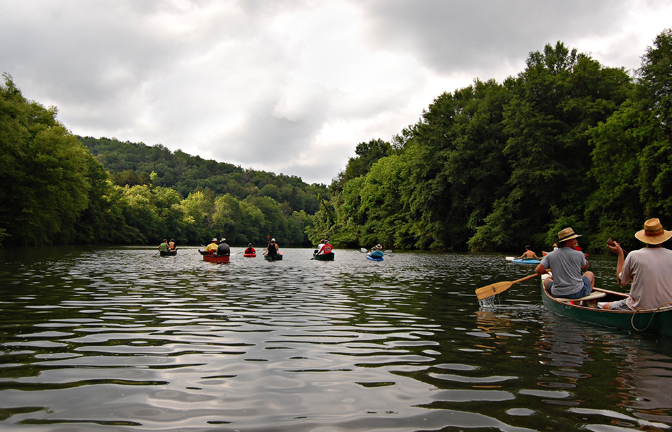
540,270
616,248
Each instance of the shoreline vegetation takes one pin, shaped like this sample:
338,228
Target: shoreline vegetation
489,167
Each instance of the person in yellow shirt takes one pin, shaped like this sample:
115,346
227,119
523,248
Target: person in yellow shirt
212,247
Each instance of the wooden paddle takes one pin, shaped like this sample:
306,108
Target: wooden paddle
498,287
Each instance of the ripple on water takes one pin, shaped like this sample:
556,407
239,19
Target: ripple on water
122,337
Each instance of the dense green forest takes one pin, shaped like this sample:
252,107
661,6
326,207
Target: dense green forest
60,188
495,166
492,166
132,163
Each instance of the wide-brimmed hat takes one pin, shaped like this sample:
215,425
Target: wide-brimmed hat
214,240
567,234
653,232
222,240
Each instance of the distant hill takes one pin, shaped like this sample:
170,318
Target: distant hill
132,163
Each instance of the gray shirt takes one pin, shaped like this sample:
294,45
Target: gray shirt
650,270
565,264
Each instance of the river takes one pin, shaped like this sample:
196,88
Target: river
120,339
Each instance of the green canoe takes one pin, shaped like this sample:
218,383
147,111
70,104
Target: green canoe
647,321
277,257
324,257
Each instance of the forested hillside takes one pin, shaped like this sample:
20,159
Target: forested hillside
53,189
496,166
132,163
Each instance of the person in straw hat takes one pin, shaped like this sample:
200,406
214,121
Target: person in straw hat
649,269
567,264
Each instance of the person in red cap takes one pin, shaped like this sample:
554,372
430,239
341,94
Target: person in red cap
567,265
649,269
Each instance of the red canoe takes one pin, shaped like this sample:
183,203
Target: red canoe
214,258
250,255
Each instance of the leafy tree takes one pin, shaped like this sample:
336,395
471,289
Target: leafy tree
557,99
632,156
43,172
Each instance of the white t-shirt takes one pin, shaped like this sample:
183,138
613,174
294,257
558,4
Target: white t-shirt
650,270
566,264
320,247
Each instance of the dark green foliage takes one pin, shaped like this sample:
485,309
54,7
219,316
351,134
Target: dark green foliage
131,163
44,172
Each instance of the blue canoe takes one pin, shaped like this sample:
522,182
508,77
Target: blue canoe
369,257
526,261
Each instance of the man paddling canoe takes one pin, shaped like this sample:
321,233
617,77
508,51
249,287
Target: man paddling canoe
567,263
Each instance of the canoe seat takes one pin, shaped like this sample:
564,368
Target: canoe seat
593,296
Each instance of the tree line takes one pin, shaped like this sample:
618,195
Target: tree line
495,166
58,188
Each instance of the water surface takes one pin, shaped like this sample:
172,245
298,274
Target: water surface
122,339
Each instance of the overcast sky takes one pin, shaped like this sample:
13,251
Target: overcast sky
289,86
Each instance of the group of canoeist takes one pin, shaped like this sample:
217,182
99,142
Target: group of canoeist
168,248
221,248
323,248
218,248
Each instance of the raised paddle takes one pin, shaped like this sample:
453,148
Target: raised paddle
498,287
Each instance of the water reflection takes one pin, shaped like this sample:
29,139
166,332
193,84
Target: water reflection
93,338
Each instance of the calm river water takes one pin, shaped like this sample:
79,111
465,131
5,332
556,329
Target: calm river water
120,339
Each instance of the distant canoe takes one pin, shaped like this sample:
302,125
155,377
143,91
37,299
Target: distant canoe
250,255
277,257
168,253
324,257
526,261
373,258
222,259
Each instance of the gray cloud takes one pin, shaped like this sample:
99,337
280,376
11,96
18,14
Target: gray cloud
466,35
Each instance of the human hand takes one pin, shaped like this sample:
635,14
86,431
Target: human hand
615,247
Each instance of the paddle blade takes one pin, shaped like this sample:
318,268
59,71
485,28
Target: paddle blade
362,250
510,258
388,251
490,290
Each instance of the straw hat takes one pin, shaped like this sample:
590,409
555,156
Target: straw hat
653,232
214,240
567,234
